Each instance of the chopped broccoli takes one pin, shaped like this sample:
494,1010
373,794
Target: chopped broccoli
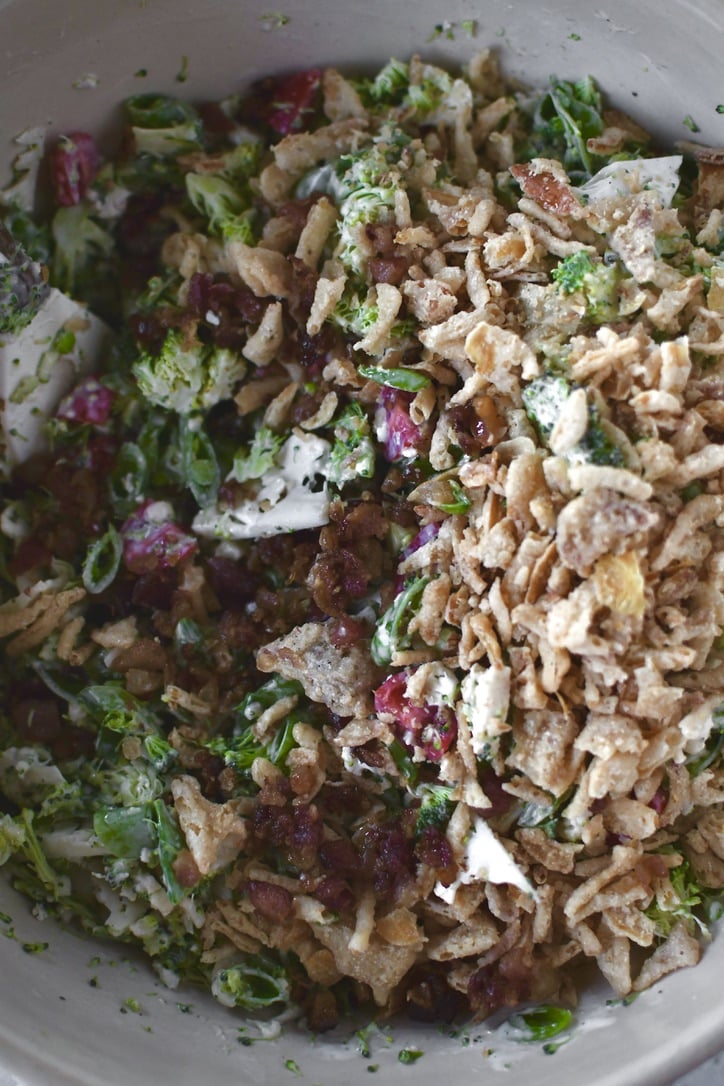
436,807
353,313
163,125
543,400
687,901
12,837
226,206
564,119
571,272
388,87
392,632
259,458
597,281
713,749
242,747
353,452
254,982
124,831
188,379
80,245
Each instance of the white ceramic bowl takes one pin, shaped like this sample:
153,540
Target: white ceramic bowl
61,1019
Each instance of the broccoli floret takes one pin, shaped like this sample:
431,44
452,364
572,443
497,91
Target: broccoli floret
242,747
259,458
163,125
225,206
255,982
22,287
188,379
688,901
596,281
436,808
572,271
12,837
564,119
80,246
353,452
543,400
388,87
124,831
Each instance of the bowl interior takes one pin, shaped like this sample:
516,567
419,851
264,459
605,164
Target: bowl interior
79,1012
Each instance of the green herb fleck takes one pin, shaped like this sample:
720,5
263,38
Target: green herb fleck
183,72
470,27
141,73
132,1004
541,1023
691,123
409,1055
293,1066
5,919
551,1047
273,20
574,37
440,30
34,948
406,380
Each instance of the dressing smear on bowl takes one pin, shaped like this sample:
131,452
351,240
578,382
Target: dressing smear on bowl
362,590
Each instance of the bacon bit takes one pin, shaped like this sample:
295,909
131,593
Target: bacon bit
434,849
30,554
185,869
429,999
335,893
505,983
272,901
547,190
340,856
388,269
322,1011
387,859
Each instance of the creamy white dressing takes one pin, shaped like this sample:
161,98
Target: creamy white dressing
285,501
659,175
32,389
486,697
485,860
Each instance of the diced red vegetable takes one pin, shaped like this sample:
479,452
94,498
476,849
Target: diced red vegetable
287,104
430,727
74,162
152,541
402,437
89,402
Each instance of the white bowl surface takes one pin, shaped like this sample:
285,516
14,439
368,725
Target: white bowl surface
658,59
